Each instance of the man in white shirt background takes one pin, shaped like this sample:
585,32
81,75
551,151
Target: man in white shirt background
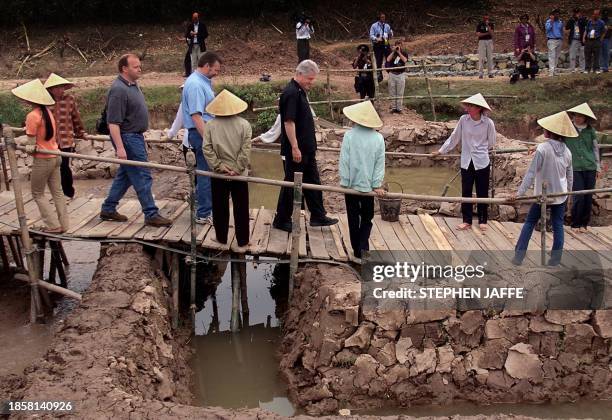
303,31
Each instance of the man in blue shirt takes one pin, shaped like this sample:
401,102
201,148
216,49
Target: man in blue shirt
554,34
197,94
380,35
593,35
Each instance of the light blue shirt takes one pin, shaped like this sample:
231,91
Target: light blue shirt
554,29
197,94
362,159
379,29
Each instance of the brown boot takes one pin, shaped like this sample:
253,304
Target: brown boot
114,216
158,221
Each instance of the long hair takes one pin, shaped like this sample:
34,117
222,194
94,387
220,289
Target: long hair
46,115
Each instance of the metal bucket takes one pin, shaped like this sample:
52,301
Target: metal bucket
390,207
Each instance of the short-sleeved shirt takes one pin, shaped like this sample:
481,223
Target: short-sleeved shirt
483,28
127,107
396,61
594,30
197,94
35,127
293,106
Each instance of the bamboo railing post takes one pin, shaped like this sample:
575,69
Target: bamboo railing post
543,223
433,105
35,304
375,73
191,163
492,174
329,94
295,229
7,184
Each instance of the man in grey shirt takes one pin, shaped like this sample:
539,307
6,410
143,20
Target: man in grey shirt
128,119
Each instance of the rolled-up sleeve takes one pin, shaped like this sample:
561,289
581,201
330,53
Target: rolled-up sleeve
491,134
453,140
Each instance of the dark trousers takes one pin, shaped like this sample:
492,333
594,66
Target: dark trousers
359,212
480,177
314,199
187,62
527,72
66,173
239,190
303,49
582,204
592,52
380,53
365,86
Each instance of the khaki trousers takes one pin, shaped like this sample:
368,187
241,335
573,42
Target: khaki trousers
46,172
485,52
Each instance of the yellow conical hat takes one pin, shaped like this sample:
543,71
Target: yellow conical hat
477,99
226,104
55,80
363,113
559,123
34,92
583,109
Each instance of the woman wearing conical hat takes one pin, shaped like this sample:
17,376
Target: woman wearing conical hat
475,132
227,149
69,125
551,164
40,131
362,168
585,162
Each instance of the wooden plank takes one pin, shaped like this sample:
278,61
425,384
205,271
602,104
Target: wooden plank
330,244
303,251
180,226
261,232
424,253
172,211
425,237
434,230
86,213
252,220
391,239
336,234
412,254
377,242
210,241
105,227
316,241
9,205
133,227
166,211
603,234
10,221
120,227
73,214
346,237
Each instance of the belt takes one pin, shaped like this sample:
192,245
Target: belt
555,39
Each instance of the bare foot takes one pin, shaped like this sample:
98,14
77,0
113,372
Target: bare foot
584,230
464,226
575,230
52,230
483,226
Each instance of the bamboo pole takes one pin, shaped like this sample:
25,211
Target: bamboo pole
408,66
543,224
375,74
191,162
51,287
329,95
5,177
295,229
433,105
35,304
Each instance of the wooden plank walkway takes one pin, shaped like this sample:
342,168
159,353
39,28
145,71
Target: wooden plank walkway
414,237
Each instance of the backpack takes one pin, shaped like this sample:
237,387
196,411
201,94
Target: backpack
101,123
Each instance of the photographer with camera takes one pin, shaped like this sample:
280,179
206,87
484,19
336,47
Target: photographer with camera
380,35
524,51
397,76
303,31
364,81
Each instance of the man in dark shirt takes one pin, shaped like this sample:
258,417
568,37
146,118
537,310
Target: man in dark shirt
128,119
594,33
484,31
299,147
576,25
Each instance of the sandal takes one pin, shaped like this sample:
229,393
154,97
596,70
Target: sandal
464,226
483,226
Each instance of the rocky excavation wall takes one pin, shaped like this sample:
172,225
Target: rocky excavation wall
336,354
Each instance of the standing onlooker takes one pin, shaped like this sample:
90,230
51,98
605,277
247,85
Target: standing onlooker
362,168
605,43
593,35
40,132
484,31
585,163
554,35
195,36
552,164
299,148
380,35
524,50
128,118
69,125
364,81
177,124
227,148
197,94
576,25
476,133
397,77
303,32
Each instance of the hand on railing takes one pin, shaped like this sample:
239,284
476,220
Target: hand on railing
380,192
30,149
512,197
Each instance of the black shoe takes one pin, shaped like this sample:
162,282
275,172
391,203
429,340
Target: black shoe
113,216
158,221
325,221
491,76
285,226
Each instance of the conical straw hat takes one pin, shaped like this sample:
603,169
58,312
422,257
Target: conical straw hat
477,99
583,109
34,92
55,80
363,113
559,123
226,104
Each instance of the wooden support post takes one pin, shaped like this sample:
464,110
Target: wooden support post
59,265
295,229
543,223
16,251
35,304
329,95
174,280
60,247
244,295
191,163
433,105
51,287
19,245
375,73
235,318
7,183
4,255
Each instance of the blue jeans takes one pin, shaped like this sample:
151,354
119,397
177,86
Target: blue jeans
605,54
557,211
203,191
139,178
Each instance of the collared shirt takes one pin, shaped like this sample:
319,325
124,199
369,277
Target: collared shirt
585,150
227,142
552,164
524,36
303,31
396,61
197,94
68,120
476,138
484,27
380,30
576,26
595,30
177,124
195,30
127,107
293,106
35,127
362,159
554,29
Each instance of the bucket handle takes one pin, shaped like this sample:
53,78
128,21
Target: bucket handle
396,183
